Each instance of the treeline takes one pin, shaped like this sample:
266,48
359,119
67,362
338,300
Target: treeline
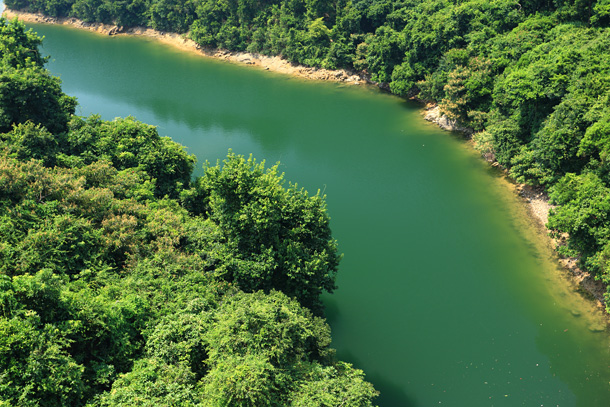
124,282
531,78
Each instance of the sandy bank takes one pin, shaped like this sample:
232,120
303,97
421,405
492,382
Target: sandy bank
275,64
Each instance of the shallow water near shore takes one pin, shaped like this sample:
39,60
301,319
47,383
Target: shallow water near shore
447,295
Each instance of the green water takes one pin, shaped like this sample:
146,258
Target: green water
445,297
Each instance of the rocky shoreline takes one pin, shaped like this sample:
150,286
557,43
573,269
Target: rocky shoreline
537,201
538,209
433,114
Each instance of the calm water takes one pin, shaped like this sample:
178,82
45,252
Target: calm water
444,297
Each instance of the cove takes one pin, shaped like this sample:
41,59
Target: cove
446,295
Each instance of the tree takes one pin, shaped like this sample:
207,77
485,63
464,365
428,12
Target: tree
36,365
32,94
256,343
172,15
273,237
27,91
28,140
127,143
330,386
583,213
18,47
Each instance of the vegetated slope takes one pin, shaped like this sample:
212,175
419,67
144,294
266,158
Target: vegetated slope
531,78
123,282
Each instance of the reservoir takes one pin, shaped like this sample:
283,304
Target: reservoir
447,294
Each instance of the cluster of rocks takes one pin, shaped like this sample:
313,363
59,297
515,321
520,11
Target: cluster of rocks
434,114
115,30
333,75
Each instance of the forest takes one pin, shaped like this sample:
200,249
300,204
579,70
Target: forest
127,282
124,281
530,79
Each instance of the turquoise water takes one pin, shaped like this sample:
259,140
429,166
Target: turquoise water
446,296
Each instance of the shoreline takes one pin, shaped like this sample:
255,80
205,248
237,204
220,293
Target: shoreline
538,207
274,64
537,201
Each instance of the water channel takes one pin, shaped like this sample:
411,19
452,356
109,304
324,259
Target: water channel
447,293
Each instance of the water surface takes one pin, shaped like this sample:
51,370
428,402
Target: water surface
446,296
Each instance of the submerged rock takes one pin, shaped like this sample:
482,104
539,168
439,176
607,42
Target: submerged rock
597,328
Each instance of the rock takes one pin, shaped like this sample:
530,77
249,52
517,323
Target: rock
434,115
597,328
244,59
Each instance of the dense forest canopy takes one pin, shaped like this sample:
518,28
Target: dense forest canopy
126,282
530,78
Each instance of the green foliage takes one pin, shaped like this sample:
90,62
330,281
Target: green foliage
245,381
18,47
468,92
150,384
253,344
505,135
268,325
384,52
263,351
583,211
36,365
126,285
172,15
32,94
112,293
174,361
27,91
596,140
30,141
329,386
601,13
553,152
129,144
68,340
91,11
273,237
246,350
